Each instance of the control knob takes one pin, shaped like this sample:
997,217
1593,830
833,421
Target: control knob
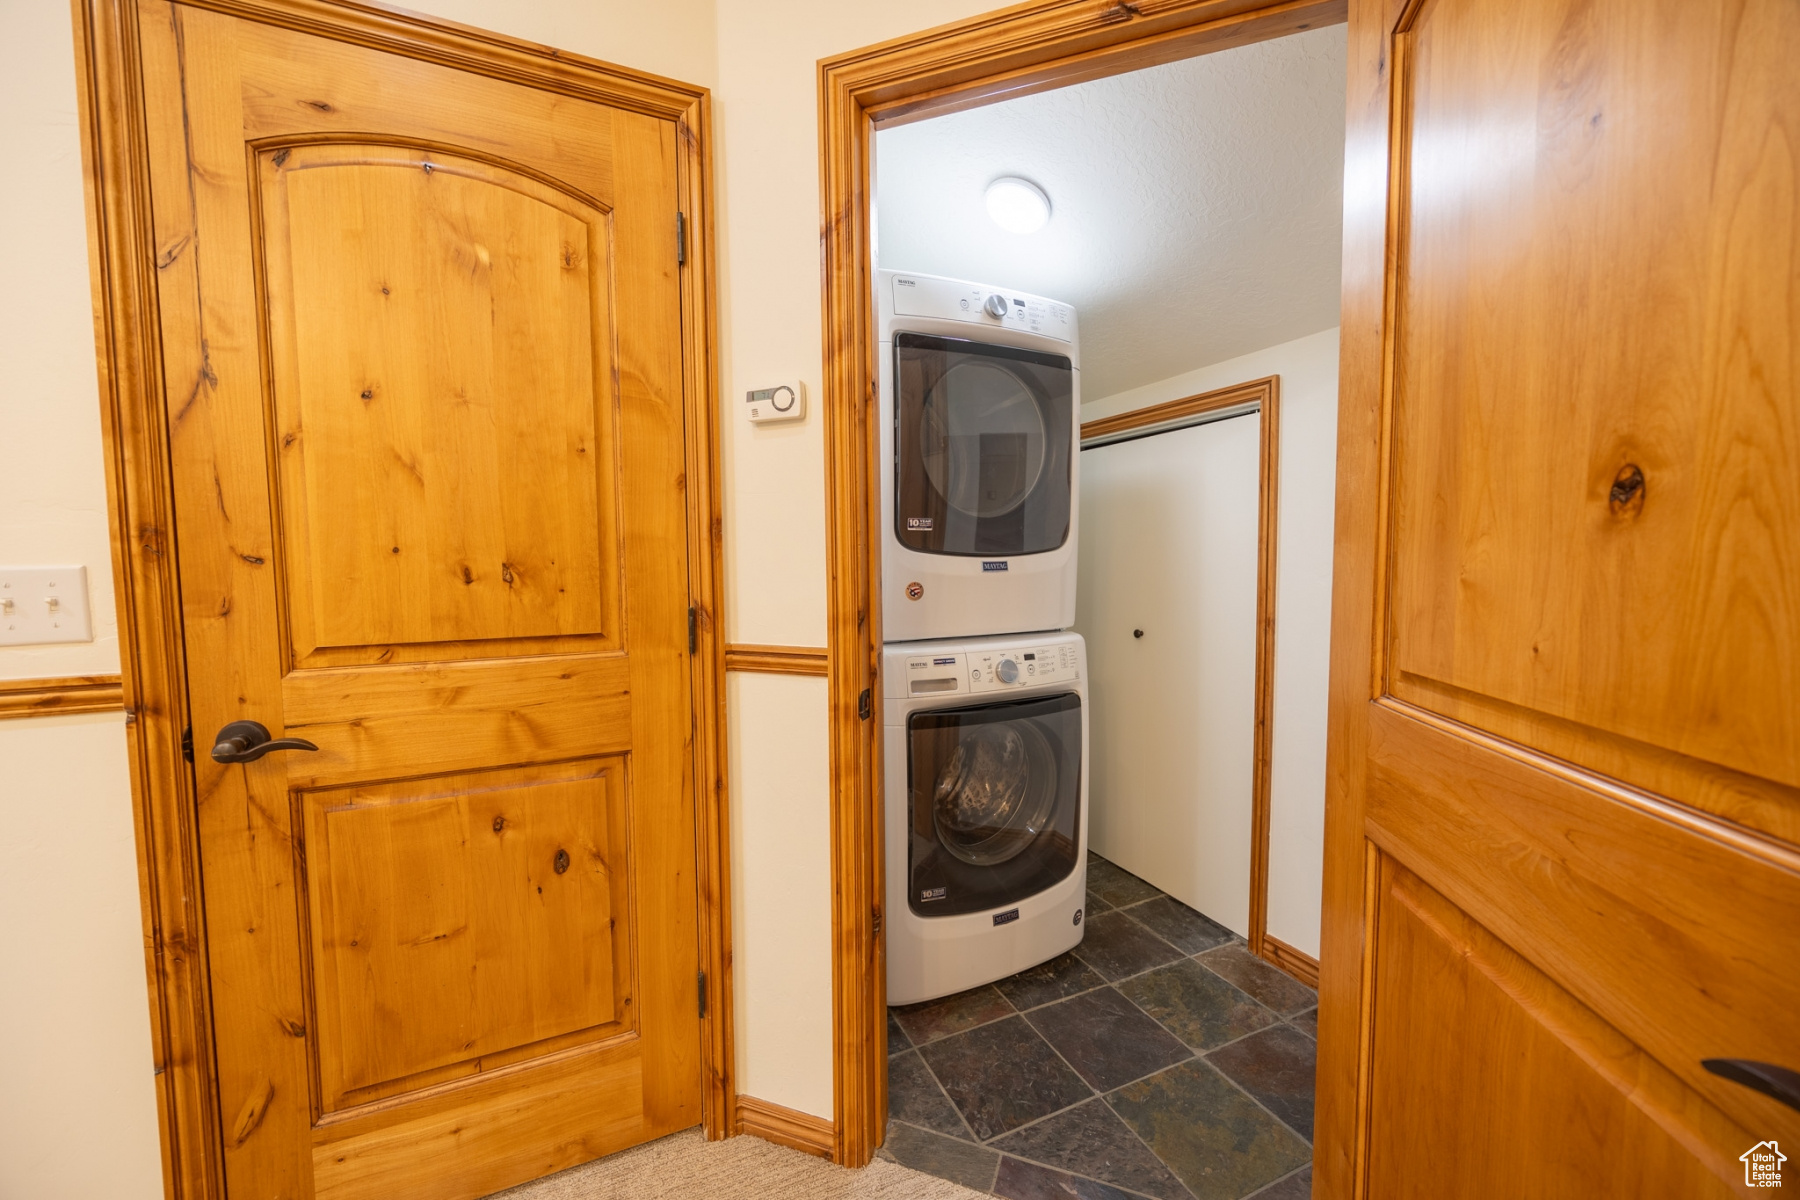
1008,671
994,305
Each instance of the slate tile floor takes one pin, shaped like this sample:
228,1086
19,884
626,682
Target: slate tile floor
1160,1060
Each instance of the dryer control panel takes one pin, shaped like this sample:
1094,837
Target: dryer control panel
927,296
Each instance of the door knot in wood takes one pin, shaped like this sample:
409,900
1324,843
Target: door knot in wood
1627,490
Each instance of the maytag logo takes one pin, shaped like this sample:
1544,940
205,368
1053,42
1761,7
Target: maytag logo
994,566
1007,917
905,283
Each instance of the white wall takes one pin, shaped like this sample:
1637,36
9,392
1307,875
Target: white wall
78,1105
74,1019
1308,475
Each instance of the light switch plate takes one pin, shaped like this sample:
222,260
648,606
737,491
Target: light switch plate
783,402
44,604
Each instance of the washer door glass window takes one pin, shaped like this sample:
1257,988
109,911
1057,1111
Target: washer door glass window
994,803
983,437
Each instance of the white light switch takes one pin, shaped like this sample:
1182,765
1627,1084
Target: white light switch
44,604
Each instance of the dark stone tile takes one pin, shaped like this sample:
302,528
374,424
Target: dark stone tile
1002,1076
915,1097
1117,886
952,1014
1180,926
1021,1180
1117,946
1197,1006
1096,905
897,1039
1061,977
1271,985
1307,1023
948,1158
1210,1134
1297,1186
1275,1066
1107,1039
1091,1140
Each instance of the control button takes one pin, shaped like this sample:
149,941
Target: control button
995,305
1008,671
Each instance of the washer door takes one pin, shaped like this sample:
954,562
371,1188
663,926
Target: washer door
995,802
983,441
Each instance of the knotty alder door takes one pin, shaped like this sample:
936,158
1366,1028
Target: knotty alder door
422,353
1565,765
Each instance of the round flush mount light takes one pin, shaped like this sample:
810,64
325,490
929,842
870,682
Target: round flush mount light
1017,205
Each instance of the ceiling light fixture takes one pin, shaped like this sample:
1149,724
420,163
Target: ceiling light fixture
1017,205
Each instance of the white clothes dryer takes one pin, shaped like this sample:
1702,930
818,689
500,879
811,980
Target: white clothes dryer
980,431
986,808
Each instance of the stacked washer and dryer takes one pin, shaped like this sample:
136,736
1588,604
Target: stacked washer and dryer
984,682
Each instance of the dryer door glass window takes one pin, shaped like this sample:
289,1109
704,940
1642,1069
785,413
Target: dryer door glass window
983,437
994,796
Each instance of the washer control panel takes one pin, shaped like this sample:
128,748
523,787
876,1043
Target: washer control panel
1001,670
926,296
954,672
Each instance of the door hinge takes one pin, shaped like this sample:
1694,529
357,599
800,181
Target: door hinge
693,629
187,743
865,703
703,993
875,919
680,239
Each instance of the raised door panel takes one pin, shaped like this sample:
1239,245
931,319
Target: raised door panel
1597,349
1667,929
1546,1101
464,922
439,329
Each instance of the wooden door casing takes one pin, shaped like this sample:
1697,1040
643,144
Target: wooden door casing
1561,864
469,604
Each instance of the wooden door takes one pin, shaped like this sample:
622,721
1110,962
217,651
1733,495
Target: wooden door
1562,864
421,335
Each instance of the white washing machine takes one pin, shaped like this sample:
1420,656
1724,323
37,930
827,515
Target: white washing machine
980,431
986,799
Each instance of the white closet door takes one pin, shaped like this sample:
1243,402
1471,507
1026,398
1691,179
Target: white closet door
1168,546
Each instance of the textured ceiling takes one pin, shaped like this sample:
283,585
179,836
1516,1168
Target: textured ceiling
1196,207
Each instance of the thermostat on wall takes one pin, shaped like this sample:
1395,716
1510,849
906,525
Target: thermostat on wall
783,402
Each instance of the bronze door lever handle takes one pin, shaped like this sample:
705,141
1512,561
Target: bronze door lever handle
247,741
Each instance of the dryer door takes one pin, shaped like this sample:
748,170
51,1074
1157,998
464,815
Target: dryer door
983,441
994,794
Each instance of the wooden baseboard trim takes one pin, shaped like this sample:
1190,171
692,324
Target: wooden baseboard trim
54,697
1299,964
776,660
785,1126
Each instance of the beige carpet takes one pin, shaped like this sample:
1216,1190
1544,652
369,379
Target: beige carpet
685,1165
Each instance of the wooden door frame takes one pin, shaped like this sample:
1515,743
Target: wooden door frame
122,260
1013,52
1265,394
